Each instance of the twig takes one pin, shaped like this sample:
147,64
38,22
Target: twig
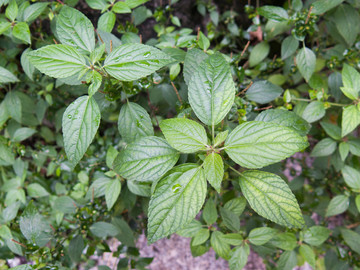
21,244
265,108
111,46
243,91
353,225
308,15
140,38
176,91
245,48
198,34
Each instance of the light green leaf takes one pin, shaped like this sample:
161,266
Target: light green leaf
332,130
285,118
11,11
350,119
284,240
273,13
97,54
259,53
75,29
351,177
21,31
147,159
357,202
13,105
97,4
6,76
212,90
35,190
200,237
203,41
236,205
230,219
22,134
7,157
258,144
135,3
176,200
26,65
308,254
219,245
174,71
121,7
4,26
191,229
324,148
351,81
287,260
185,135
107,21
271,198
33,11
289,47
337,205
239,257
221,137
81,120
96,80
130,62
214,170
344,149
193,59
306,62
209,213
139,188
316,235
352,239
314,111
104,229
112,193
58,61
34,227
321,6
263,92
260,236
134,122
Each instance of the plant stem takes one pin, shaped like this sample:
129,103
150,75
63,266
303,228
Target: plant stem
239,173
309,100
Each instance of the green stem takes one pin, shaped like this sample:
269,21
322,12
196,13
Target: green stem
239,173
330,103
213,133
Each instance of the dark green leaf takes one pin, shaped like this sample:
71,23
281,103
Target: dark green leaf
263,92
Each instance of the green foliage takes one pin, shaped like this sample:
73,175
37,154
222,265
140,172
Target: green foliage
106,133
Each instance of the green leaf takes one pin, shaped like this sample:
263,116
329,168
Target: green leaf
6,76
271,198
284,240
214,170
321,6
21,31
80,123
263,92
234,239
316,235
193,59
185,135
352,239
219,245
22,134
289,47
96,80
351,177
203,41
239,257
176,200
273,13
76,247
344,18
285,118
209,213
34,227
236,205
354,147
306,62
191,229
220,137
339,204
13,105
147,159
35,190
212,90
104,229
11,11
324,148
258,144
65,205
7,157
58,61
33,11
134,122
351,81
357,202
308,254
287,260
107,21
260,236
97,54
350,119
26,65
130,62
75,29
174,71
97,4
112,193
314,111
139,188
230,219
344,149
4,26
200,237
135,3
126,234
121,7
259,53
332,130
